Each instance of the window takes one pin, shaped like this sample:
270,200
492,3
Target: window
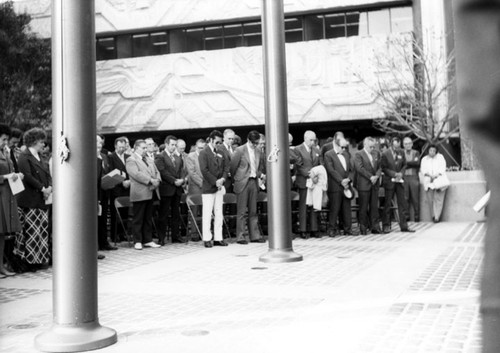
159,43
140,45
335,26
194,39
314,27
293,30
214,38
106,49
352,24
252,34
233,36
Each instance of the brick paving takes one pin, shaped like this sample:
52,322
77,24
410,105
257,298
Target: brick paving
397,292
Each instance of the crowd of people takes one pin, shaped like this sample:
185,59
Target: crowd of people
157,179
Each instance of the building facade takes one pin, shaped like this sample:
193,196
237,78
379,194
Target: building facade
188,66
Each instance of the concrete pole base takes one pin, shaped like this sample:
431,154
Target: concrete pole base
280,255
75,338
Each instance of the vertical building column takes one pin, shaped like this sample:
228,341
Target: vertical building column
275,102
75,319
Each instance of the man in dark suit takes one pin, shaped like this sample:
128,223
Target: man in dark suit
308,157
247,168
338,167
117,160
214,168
367,165
104,195
330,144
412,181
171,169
144,182
393,164
226,148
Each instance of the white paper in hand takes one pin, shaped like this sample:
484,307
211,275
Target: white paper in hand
15,186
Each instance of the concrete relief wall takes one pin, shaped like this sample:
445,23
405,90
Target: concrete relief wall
118,15
225,87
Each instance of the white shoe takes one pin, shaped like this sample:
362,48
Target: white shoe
138,246
152,244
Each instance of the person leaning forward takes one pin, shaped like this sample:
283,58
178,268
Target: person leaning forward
144,181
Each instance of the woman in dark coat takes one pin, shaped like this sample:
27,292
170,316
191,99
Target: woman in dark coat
9,219
32,245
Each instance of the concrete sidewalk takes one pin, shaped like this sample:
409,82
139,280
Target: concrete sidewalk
399,292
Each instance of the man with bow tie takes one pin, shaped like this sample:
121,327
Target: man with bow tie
367,165
393,164
171,168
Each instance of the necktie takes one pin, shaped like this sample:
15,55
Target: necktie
312,154
172,159
145,160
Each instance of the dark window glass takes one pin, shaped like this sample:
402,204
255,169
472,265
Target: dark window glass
233,36
252,34
214,38
335,25
352,21
313,27
177,41
159,43
140,45
124,46
106,48
293,30
194,39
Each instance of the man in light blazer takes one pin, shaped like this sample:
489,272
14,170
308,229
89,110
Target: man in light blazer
393,164
171,168
246,168
367,165
340,175
309,157
144,182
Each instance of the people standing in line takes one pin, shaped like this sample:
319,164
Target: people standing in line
32,244
340,174
226,148
195,182
103,167
433,168
9,218
309,157
412,181
367,165
117,160
171,169
393,164
214,168
246,168
144,182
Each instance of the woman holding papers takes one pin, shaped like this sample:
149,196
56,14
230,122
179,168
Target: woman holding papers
9,219
32,244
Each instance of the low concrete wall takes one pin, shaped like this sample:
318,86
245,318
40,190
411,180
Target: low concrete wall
466,188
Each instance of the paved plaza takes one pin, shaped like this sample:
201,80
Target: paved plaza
394,293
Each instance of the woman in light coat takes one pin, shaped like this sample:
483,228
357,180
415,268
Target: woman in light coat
433,168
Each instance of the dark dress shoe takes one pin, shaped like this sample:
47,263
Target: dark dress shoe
304,235
243,242
376,231
408,230
220,243
100,256
386,230
208,244
260,240
350,232
315,235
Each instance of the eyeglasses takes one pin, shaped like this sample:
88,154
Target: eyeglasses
343,147
218,143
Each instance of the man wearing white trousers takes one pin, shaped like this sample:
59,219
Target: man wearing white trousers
214,169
